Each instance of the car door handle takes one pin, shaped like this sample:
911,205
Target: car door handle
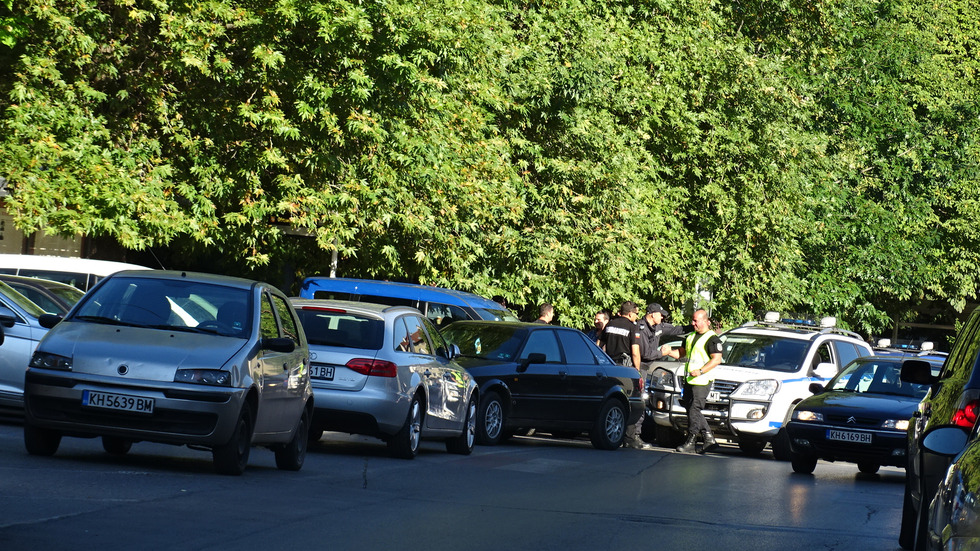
427,373
563,374
599,374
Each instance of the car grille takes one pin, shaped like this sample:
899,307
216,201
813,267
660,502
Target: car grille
723,387
844,421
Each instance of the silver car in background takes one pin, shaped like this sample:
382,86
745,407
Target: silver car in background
385,371
174,357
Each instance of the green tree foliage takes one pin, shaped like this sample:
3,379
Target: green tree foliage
797,155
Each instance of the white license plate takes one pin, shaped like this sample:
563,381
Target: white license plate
324,372
121,402
714,396
848,436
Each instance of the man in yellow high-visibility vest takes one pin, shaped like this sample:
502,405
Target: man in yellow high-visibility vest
703,351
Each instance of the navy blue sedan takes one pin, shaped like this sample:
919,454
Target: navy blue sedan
549,378
860,416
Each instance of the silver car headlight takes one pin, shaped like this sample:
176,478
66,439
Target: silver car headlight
46,360
806,415
214,377
759,389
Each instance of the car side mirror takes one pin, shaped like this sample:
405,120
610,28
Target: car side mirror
7,317
449,353
946,440
532,358
816,388
279,344
918,372
48,321
825,370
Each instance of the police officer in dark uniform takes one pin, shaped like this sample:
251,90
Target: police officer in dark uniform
621,339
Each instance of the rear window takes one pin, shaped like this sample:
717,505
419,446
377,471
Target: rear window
341,329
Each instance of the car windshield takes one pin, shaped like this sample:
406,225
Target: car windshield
486,340
169,304
333,327
763,352
871,376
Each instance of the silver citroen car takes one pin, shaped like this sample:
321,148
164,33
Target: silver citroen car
385,371
174,357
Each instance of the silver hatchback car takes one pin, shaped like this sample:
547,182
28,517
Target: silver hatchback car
174,357
385,371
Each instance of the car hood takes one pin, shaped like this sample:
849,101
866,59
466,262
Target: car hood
865,404
150,354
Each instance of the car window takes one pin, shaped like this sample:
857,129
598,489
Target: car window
402,340
71,278
876,377
486,340
444,314
847,352
267,320
965,353
576,347
389,301
763,352
822,355
542,342
332,327
289,329
420,341
332,295
20,300
37,297
438,342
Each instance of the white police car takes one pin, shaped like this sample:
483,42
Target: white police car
766,369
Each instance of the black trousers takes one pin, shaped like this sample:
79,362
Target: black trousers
694,399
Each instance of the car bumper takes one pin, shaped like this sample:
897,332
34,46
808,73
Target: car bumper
371,411
885,447
182,413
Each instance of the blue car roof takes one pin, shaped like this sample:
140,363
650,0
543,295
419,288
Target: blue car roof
394,289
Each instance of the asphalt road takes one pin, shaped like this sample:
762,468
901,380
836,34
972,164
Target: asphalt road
532,493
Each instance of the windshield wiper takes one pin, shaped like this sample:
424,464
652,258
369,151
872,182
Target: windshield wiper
100,319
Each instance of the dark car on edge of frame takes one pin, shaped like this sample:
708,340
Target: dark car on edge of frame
548,378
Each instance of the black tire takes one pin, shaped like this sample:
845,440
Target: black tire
40,441
610,426
868,467
780,446
231,458
803,464
751,447
490,419
463,444
115,445
405,444
906,535
290,457
315,435
668,437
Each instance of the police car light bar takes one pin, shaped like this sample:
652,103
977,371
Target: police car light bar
772,317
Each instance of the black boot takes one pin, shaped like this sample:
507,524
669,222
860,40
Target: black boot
709,441
689,446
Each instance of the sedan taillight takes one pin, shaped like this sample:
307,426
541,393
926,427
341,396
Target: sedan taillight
966,416
373,368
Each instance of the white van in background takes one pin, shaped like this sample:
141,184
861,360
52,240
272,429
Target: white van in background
79,272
